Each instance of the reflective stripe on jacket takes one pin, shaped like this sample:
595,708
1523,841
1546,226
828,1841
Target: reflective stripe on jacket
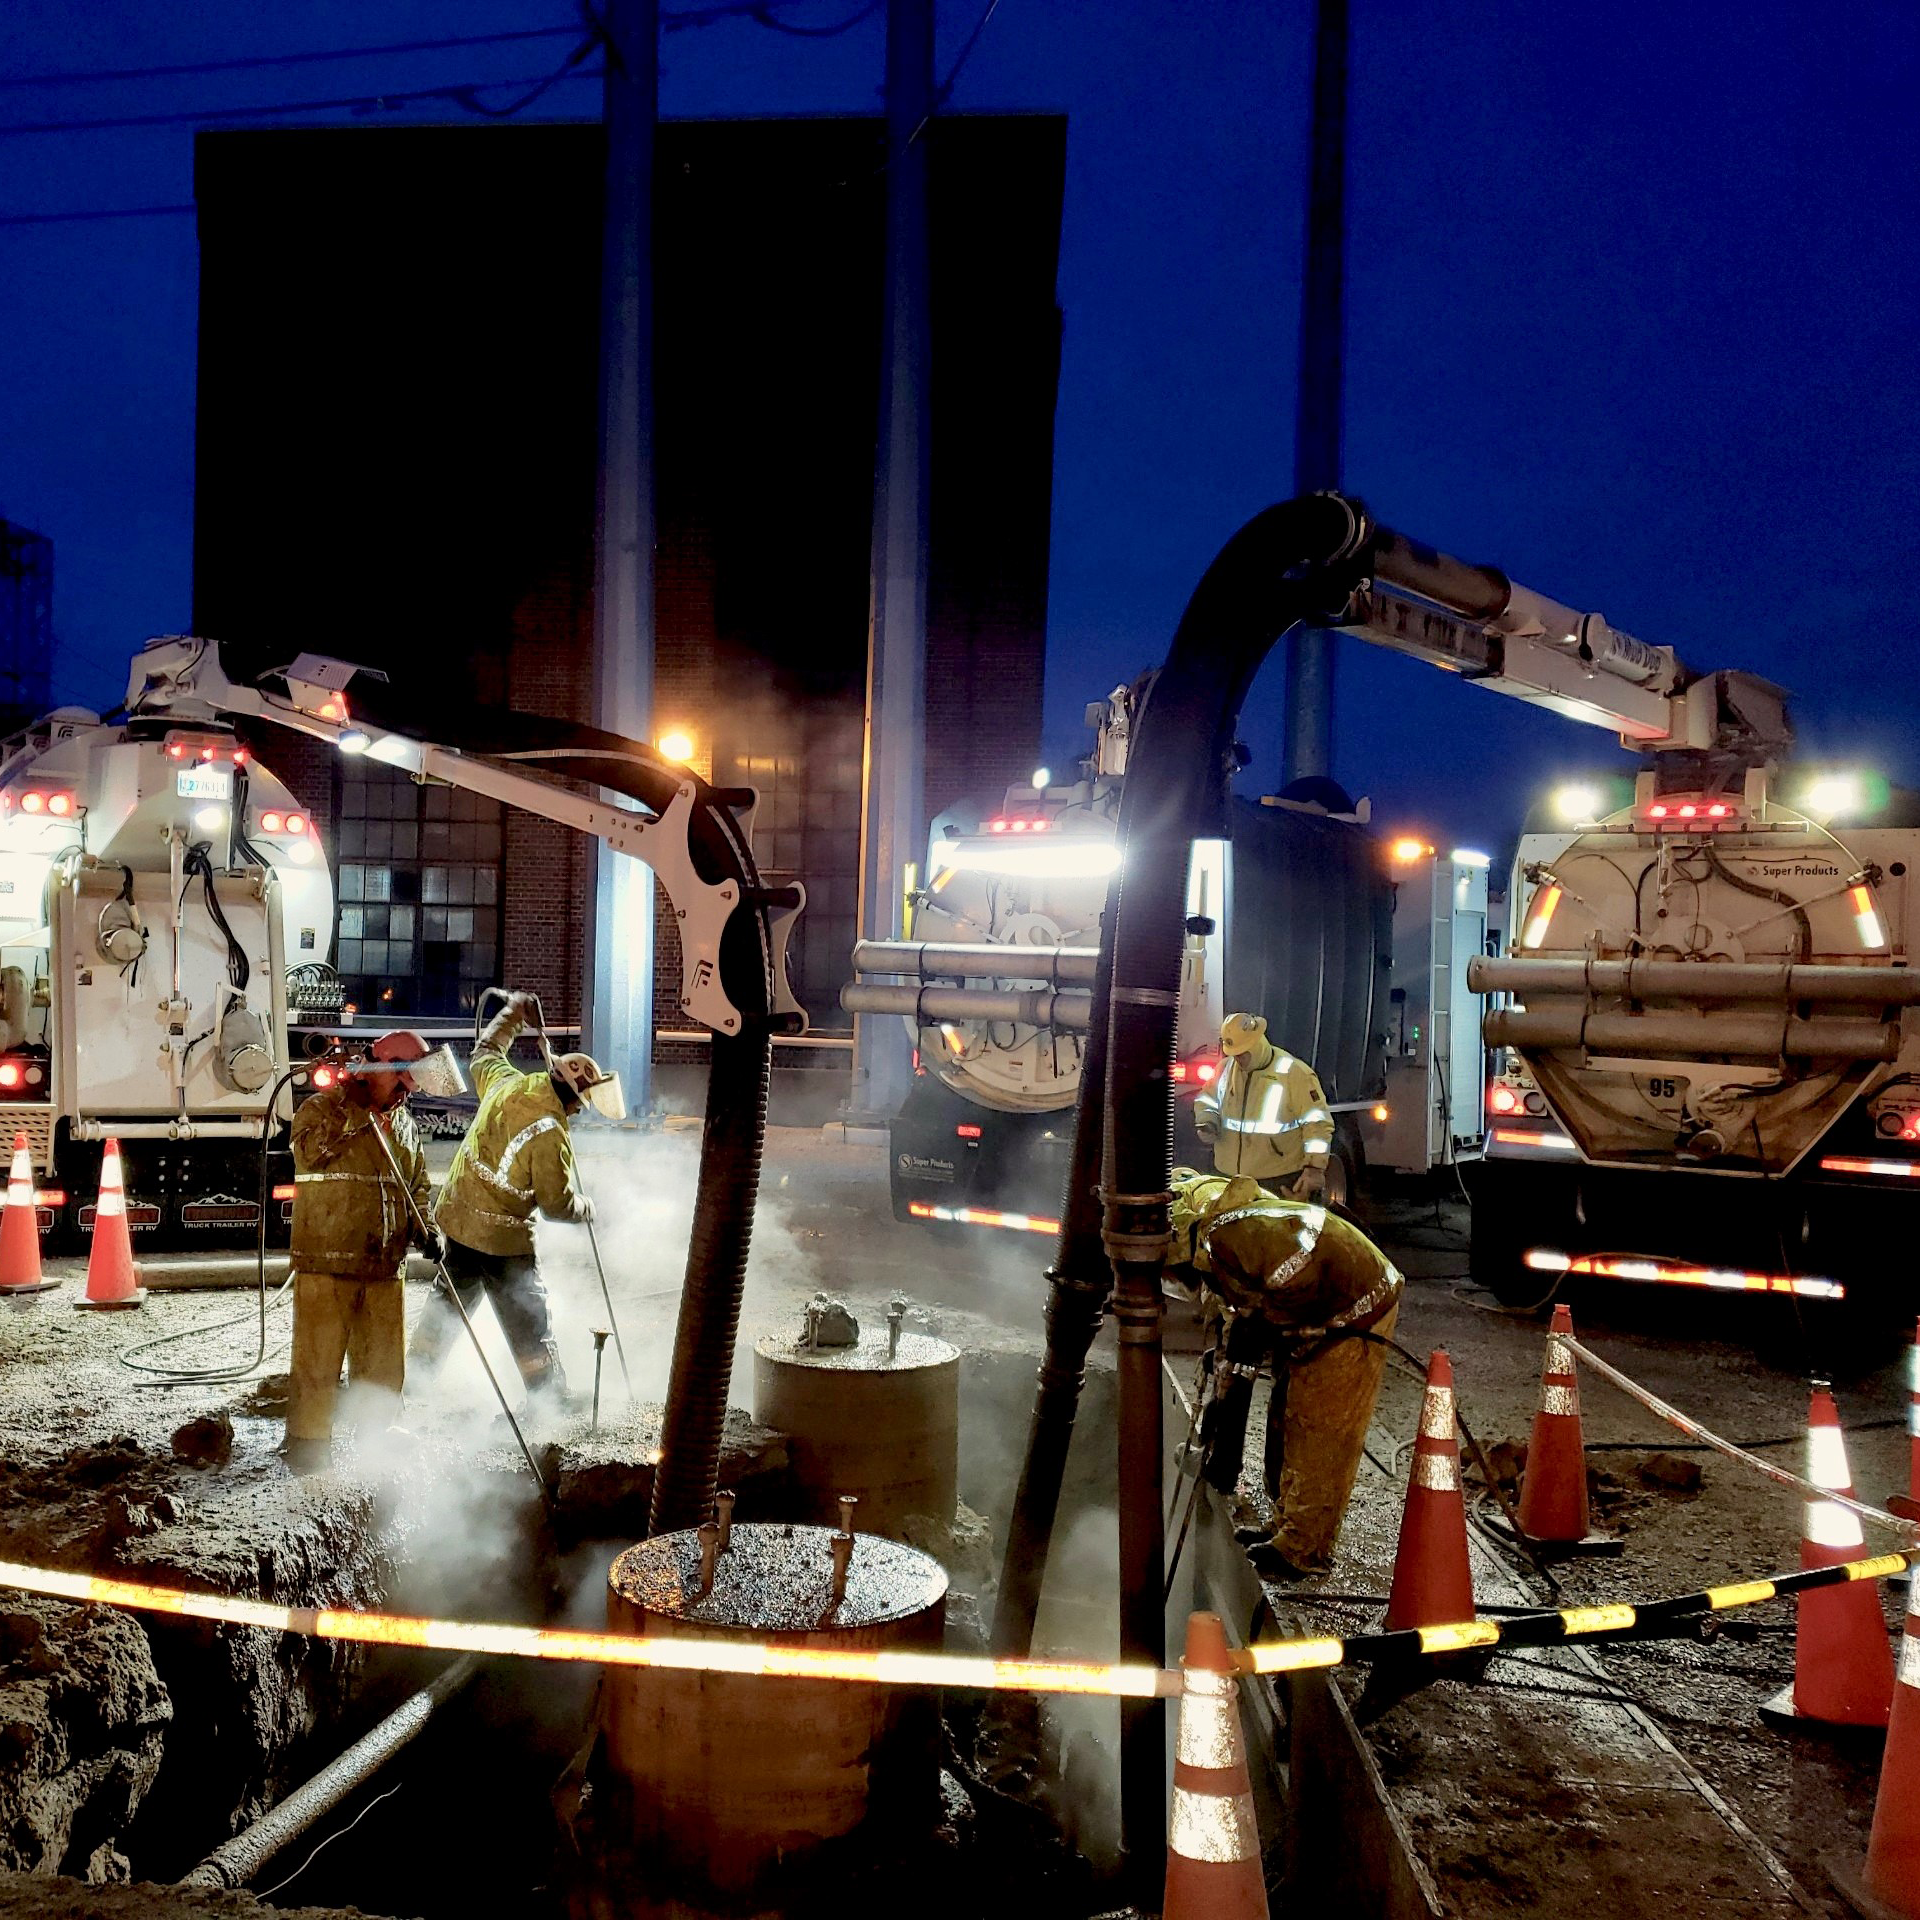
350,1215
517,1156
1267,1122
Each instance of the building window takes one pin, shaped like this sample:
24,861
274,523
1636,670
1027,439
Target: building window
419,929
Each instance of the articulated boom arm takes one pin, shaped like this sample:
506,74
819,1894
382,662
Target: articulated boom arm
184,676
1475,621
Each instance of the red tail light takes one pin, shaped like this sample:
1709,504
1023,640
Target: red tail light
967,1130
1180,1070
1502,1098
324,1077
284,1193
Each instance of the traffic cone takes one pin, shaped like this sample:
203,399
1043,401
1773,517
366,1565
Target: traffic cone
20,1228
1891,1875
1907,1505
1432,1580
1842,1665
111,1277
1213,1840
1553,1491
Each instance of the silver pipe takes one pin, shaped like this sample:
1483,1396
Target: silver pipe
1024,1006
961,960
234,1862
1691,1036
1695,980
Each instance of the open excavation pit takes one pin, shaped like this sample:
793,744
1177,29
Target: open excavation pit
131,1745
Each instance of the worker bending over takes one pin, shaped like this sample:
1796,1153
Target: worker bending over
355,1209
1268,1116
517,1159
1287,1282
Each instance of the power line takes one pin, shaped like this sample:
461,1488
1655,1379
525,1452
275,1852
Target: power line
86,76
464,96
90,213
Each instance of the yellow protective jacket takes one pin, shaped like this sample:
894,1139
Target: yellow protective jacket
1267,1122
517,1156
350,1216
1303,1270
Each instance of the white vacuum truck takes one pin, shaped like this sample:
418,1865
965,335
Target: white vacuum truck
158,887
1290,914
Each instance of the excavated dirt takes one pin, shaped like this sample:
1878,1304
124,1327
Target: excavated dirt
24,1897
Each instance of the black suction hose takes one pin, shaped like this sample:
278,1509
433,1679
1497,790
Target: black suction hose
1297,561
1080,1280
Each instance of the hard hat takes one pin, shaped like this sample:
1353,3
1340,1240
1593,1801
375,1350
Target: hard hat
401,1045
1242,1033
581,1075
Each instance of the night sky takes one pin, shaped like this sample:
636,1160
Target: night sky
1632,314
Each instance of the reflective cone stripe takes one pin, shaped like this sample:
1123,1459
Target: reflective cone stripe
1842,1665
1913,1418
111,1280
1553,1492
1213,1839
1432,1579
20,1224
1893,1847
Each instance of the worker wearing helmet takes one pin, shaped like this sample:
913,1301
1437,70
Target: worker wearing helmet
517,1160
1268,1116
355,1209
1286,1282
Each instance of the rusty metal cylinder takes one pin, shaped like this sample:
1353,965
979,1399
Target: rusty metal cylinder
862,1419
722,1785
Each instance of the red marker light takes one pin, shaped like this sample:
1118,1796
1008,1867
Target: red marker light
967,1130
50,1197
296,823
1040,826
1503,1099
1017,826
332,710
996,826
1718,811
206,753
1180,1070
283,1193
1656,812
323,1077
59,805
10,1075
174,749
272,822
1207,1070
241,756
31,802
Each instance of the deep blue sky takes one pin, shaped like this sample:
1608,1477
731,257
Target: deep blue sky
1632,314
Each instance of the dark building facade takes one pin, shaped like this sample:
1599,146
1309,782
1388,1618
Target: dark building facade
396,464
26,624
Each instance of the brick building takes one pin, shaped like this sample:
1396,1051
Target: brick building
396,463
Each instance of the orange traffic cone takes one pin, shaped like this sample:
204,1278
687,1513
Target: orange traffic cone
1213,1841
1892,1872
112,1280
1842,1665
1907,1505
20,1228
1553,1492
1432,1580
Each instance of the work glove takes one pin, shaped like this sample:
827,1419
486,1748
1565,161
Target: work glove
434,1245
583,1212
1311,1184
521,1005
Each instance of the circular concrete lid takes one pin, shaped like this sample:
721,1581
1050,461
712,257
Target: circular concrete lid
917,1350
776,1579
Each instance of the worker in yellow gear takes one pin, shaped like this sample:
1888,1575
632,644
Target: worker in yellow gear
1268,1116
516,1160
1294,1285
353,1219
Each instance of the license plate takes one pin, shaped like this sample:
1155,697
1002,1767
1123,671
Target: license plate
204,783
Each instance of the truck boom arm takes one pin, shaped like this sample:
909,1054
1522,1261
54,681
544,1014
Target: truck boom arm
1474,621
184,676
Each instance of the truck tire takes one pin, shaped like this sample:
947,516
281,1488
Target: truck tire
1494,1260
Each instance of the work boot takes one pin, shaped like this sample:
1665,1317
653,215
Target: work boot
307,1456
1270,1563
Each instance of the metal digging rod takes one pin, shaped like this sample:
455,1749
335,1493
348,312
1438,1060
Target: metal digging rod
444,1281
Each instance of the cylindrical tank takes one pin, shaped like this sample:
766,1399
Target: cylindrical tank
723,1783
864,1421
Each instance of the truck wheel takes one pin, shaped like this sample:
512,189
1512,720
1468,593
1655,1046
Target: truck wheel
1494,1259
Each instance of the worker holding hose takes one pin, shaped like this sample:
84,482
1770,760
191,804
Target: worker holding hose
1268,1117
356,1208
516,1160
1289,1283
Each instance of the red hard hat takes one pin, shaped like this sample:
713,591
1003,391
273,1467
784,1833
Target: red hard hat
402,1044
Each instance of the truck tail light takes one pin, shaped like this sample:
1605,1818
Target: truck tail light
1545,902
284,1192
967,1130
1502,1098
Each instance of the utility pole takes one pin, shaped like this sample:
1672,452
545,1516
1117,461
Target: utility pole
1318,434
619,963
893,798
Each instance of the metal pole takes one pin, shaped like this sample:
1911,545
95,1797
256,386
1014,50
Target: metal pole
618,987
606,1294
893,800
1308,747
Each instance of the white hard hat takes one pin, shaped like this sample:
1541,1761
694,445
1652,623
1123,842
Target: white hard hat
583,1078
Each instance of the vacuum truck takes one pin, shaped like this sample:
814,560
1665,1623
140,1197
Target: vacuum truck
1289,913
162,895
